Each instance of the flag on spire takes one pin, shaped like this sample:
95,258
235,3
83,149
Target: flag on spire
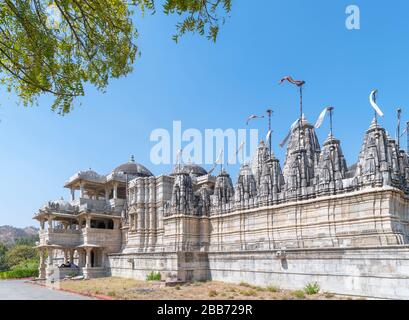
298,83
284,142
219,160
372,100
268,137
321,118
252,117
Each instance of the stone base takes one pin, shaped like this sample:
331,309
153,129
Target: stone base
96,272
180,266
379,272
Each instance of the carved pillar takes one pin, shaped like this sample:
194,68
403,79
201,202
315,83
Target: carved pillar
50,223
88,222
42,266
140,197
65,256
147,213
72,194
82,191
50,257
72,255
152,212
88,258
116,190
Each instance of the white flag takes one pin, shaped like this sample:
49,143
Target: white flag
373,103
240,147
219,160
268,137
284,142
321,118
403,133
252,117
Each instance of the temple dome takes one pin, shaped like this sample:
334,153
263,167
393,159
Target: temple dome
133,168
191,169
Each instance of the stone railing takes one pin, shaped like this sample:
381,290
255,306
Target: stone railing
61,237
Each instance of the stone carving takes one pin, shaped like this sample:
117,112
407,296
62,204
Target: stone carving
223,192
182,194
331,168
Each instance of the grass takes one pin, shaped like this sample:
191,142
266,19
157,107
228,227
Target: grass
273,289
312,288
154,276
249,293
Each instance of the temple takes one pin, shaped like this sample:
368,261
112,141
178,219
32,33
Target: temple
314,219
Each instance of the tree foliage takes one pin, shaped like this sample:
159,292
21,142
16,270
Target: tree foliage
19,254
3,251
58,46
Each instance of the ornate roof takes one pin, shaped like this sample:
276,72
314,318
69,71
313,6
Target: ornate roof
133,168
191,169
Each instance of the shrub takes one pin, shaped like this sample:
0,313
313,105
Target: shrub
154,276
312,288
19,273
111,294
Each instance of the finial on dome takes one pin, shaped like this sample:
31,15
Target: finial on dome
132,159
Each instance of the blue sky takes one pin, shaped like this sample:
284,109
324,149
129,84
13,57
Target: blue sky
208,85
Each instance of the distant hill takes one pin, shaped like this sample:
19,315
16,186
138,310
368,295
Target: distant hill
9,234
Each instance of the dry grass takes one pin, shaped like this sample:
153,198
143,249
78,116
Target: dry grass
125,289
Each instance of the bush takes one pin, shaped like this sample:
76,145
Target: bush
154,276
19,273
30,264
312,288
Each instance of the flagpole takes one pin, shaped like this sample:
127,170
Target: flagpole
407,134
300,124
331,110
399,111
376,114
269,112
